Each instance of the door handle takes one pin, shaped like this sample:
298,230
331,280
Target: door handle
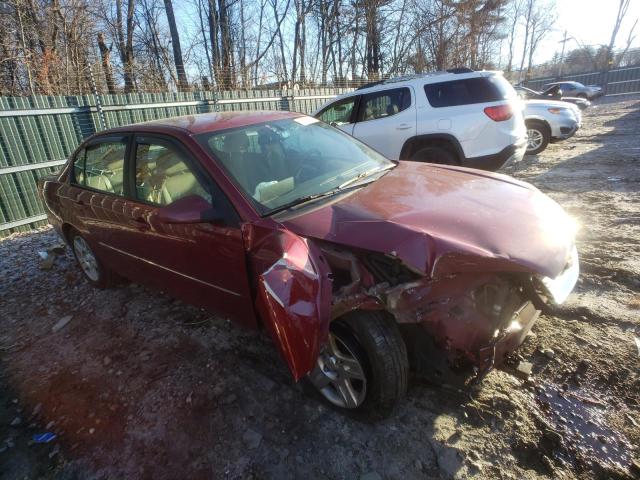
403,126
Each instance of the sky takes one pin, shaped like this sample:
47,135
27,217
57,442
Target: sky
591,23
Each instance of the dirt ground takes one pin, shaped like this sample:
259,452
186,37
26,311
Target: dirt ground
137,385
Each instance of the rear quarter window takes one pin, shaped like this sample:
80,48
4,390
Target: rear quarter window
469,91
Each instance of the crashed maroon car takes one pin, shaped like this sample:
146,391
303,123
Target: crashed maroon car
358,267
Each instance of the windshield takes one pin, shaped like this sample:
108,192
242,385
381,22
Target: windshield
278,163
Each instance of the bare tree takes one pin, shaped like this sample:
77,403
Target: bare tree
105,53
175,43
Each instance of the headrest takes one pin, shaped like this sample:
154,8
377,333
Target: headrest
235,142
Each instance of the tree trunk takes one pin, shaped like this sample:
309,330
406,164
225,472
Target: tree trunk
105,54
183,85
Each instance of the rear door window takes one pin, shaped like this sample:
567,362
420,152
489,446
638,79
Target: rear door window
469,91
100,166
384,104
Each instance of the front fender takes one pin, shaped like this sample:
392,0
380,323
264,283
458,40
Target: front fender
293,295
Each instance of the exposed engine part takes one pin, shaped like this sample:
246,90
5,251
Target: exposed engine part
468,319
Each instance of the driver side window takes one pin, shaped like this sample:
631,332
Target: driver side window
163,175
340,113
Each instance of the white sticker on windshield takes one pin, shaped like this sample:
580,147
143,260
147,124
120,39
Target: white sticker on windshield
306,120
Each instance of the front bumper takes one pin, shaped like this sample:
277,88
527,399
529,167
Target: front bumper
509,154
565,127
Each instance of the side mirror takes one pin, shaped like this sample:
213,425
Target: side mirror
189,209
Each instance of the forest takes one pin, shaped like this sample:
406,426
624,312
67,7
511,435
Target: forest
54,47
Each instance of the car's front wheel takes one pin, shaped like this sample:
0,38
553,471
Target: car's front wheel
91,267
364,367
538,137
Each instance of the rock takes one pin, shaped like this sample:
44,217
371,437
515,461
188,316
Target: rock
16,421
583,366
46,260
92,431
525,368
370,476
418,465
36,409
547,352
230,399
251,439
106,361
61,323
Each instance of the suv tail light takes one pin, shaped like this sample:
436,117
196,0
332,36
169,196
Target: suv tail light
499,113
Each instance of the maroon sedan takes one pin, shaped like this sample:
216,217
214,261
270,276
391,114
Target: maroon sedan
357,266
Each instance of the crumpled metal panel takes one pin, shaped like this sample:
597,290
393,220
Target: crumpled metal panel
422,214
294,298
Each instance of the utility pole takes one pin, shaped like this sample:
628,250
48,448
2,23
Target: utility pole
563,42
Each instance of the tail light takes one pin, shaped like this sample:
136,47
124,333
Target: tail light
499,113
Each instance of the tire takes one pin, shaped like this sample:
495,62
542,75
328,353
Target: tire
92,269
372,339
436,155
538,137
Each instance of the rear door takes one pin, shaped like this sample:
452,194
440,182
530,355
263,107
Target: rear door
341,113
201,263
96,191
386,119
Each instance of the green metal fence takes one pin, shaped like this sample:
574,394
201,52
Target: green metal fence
38,133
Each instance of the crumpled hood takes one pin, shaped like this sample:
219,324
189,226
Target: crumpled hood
422,213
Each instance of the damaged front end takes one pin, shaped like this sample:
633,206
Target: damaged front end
465,316
451,324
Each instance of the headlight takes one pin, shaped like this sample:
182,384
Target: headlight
560,287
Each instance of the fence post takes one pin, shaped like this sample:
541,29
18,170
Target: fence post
94,88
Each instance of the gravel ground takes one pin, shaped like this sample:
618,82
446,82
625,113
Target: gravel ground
137,385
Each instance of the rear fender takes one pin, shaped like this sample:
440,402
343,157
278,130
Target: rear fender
293,294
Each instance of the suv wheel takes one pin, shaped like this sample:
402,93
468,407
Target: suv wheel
434,155
93,270
538,137
364,368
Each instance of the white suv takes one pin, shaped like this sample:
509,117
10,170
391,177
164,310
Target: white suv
457,117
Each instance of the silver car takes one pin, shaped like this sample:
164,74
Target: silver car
549,121
576,89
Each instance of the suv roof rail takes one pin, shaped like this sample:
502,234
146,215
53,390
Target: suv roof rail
460,70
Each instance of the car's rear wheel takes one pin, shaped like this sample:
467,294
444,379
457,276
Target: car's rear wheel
434,155
538,137
92,269
364,367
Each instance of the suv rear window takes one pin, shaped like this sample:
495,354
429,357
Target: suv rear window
468,91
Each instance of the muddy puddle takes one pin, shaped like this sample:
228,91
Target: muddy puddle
580,417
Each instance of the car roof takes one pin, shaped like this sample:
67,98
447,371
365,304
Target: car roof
207,122
424,78
418,79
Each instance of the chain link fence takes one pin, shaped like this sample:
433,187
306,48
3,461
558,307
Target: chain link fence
38,133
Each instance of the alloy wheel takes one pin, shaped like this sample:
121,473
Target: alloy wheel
339,375
534,139
86,258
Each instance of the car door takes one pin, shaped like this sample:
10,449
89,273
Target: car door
96,191
202,263
568,89
386,119
341,113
